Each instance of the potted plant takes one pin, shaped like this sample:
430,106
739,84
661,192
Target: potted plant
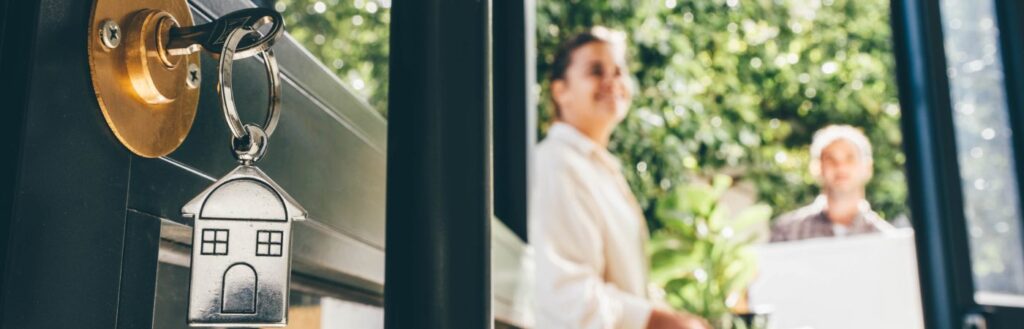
701,255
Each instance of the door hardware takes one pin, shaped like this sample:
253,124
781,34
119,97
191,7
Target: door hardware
145,67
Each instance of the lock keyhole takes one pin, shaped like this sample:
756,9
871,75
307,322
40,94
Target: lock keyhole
154,74
163,34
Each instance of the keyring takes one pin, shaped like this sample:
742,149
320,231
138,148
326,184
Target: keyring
252,147
224,76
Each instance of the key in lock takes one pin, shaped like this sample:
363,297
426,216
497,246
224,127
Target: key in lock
241,240
145,71
213,36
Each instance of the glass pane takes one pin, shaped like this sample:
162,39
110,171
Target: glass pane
984,147
307,310
171,305
738,89
350,37
312,311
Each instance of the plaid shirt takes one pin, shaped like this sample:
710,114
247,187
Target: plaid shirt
811,222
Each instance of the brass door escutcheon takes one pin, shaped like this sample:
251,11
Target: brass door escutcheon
147,96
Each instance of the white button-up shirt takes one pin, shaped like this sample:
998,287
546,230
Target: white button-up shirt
588,233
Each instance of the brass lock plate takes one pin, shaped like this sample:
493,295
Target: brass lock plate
148,98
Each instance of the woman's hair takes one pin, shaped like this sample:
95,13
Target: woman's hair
563,57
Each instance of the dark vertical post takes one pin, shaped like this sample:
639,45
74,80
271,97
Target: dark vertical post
932,170
17,22
1011,36
515,116
437,271
62,265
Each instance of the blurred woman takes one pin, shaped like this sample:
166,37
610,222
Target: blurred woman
585,225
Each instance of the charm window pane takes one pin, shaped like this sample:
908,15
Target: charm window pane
214,242
268,243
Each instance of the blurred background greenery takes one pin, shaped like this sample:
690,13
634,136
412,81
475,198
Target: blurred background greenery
701,257
733,87
739,87
729,94
736,89
350,37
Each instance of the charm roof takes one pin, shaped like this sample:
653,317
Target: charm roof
244,184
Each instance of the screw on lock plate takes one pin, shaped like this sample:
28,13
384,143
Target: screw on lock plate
110,34
194,76
211,36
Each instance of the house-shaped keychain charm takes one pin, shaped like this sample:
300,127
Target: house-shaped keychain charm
241,251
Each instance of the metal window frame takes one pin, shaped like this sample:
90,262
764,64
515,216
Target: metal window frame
439,166
932,169
1009,15
515,109
947,284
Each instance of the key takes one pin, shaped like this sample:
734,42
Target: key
211,36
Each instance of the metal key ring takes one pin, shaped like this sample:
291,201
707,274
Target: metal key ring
252,147
224,76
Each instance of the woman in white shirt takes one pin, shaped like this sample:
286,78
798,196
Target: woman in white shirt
585,225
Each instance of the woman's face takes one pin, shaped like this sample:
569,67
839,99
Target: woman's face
594,95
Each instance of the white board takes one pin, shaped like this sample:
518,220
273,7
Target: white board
865,281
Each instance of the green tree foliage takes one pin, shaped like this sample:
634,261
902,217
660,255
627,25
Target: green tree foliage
724,86
740,86
350,37
701,257
726,90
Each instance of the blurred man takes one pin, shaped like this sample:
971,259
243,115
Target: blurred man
842,164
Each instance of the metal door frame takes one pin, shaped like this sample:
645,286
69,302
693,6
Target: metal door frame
936,201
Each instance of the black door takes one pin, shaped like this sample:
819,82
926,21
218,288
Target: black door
95,239
91,225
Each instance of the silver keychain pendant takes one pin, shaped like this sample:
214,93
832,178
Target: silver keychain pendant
241,238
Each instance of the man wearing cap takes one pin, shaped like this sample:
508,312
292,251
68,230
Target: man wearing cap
842,164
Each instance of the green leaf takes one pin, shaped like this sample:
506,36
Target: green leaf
754,215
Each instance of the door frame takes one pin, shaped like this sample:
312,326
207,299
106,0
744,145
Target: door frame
933,175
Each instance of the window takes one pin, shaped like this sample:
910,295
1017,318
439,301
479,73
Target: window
729,97
268,243
984,144
215,242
